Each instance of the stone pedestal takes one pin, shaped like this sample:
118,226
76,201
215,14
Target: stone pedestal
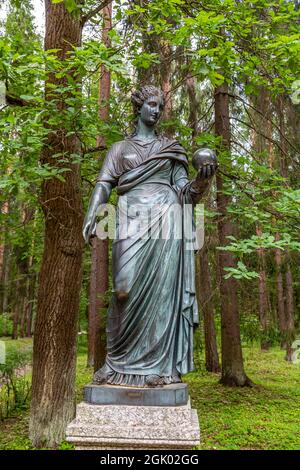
119,425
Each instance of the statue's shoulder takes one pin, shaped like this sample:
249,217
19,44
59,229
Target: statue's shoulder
177,149
116,149
168,141
118,144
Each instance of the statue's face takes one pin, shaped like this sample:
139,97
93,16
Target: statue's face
151,110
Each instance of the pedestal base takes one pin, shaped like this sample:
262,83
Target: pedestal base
134,427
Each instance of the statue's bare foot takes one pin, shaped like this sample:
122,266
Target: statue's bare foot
101,376
154,381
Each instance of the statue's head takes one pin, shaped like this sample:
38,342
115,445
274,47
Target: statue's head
148,104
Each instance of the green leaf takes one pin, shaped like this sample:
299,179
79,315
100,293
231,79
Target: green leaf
27,97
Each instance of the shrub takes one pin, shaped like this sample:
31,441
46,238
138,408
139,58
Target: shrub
14,386
6,325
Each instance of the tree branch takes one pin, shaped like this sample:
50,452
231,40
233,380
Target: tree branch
88,181
15,100
95,149
85,18
251,106
268,209
270,139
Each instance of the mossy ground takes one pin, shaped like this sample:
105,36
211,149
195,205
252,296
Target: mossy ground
264,417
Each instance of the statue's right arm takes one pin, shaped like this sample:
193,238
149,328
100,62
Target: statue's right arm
99,196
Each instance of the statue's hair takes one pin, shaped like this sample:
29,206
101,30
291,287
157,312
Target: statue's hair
139,96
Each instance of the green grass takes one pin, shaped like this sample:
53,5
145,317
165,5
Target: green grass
264,417
16,343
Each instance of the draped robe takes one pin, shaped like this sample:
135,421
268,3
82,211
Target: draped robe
151,331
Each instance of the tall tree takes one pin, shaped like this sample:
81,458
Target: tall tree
206,296
20,40
203,273
264,300
56,325
263,146
54,350
233,373
288,285
4,263
100,248
165,51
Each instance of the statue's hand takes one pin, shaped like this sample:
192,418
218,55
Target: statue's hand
99,196
206,163
88,231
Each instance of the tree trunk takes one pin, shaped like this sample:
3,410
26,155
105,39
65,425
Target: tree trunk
159,74
23,311
6,277
97,303
30,304
55,332
206,298
203,278
232,360
166,75
289,310
100,248
280,295
264,301
28,301
102,281
150,44
282,160
92,305
288,299
20,290
16,312
193,104
4,210
263,145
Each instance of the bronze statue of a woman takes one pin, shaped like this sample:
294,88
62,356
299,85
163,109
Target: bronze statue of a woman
153,307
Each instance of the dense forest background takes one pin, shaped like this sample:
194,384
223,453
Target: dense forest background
230,73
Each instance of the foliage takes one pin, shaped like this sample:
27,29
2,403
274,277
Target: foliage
6,325
14,383
246,45
240,272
